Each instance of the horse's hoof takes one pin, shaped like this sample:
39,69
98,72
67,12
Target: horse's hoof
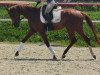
63,56
94,56
54,57
17,53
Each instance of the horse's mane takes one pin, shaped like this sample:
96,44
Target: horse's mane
29,7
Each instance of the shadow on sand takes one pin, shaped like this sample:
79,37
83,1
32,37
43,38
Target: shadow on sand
33,59
40,59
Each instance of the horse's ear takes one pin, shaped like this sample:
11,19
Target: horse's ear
7,8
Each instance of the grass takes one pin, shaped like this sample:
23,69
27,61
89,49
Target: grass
95,15
3,13
10,34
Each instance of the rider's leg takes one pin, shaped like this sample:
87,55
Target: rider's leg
49,23
48,17
49,7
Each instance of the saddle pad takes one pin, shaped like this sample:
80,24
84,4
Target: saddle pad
56,15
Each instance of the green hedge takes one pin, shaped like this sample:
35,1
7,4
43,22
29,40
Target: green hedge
87,8
10,34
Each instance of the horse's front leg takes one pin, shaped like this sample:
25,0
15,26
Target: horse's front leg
21,45
44,37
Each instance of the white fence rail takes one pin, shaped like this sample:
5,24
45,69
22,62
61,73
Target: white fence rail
95,21
10,20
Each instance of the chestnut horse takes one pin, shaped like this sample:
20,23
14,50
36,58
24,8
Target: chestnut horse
71,19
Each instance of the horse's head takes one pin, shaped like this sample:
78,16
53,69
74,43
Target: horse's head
27,11
14,13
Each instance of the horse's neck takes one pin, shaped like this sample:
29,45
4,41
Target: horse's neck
29,12
25,13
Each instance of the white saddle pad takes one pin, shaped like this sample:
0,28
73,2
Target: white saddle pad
56,15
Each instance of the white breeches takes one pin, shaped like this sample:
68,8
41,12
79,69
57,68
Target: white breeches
49,7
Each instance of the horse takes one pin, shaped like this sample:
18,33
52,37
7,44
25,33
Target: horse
71,20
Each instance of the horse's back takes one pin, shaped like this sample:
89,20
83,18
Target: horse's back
72,12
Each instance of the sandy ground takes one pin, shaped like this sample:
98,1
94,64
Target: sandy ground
37,60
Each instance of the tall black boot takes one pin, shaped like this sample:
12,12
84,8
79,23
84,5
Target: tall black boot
49,24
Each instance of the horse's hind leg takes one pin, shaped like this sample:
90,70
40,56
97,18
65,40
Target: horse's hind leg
44,37
73,40
87,40
29,34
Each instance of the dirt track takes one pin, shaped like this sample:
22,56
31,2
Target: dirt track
37,60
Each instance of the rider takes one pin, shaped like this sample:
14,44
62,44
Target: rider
50,5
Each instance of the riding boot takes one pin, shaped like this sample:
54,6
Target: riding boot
49,23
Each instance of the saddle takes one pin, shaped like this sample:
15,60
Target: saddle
55,14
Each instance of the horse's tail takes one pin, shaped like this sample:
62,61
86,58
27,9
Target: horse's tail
91,25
